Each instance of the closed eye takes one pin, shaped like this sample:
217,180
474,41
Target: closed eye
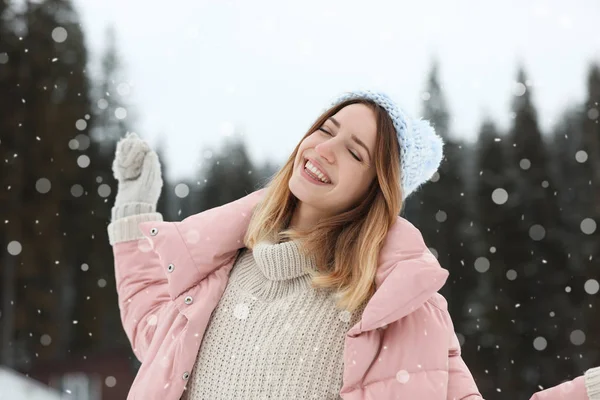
353,154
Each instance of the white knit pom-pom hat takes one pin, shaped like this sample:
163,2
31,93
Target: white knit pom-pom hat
421,149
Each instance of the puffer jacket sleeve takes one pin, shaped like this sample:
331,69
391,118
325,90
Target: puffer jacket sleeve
585,387
140,280
461,385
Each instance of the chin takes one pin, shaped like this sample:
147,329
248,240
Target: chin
300,190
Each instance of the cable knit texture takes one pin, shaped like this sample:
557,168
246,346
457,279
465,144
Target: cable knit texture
272,335
592,383
129,209
126,227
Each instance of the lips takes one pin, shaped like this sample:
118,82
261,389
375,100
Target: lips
318,166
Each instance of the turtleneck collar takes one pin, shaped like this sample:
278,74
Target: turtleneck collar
282,261
272,271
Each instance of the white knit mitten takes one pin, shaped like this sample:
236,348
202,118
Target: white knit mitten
137,169
592,383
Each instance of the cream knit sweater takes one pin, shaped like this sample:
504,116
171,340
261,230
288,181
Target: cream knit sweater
272,336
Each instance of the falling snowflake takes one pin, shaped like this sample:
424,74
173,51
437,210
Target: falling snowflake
102,104
77,190
345,316
540,343
81,124
123,89
537,232
192,236
581,156
588,226
59,34
511,274
14,248
120,113
104,190
482,264
152,320
441,216
182,190
241,311
577,337
403,376
83,161
144,245
45,340
43,185
499,196
525,164
591,286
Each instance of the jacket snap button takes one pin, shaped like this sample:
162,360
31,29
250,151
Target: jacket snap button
188,300
186,375
170,268
153,231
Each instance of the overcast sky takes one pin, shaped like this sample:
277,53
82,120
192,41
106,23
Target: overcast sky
265,69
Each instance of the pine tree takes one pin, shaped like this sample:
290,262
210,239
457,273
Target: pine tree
491,177
111,120
576,145
438,208
112,116
590,224
533,253
228,177
165,200
47,113
12,167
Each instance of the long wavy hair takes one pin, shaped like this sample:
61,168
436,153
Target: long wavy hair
345,246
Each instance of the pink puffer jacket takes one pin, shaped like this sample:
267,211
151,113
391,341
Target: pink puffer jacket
169,283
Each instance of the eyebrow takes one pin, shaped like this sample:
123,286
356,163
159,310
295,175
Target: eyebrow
354,137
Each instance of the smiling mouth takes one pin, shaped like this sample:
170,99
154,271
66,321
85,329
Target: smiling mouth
315,173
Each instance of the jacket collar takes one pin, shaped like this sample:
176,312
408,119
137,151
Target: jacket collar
407,276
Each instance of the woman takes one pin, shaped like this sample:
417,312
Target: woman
311,288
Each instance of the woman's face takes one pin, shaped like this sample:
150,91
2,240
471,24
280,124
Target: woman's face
347,166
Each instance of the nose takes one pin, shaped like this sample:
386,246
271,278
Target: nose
325,151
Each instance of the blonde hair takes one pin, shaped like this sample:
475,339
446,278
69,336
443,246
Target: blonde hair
345,246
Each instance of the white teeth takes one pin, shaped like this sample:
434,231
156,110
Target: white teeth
309,166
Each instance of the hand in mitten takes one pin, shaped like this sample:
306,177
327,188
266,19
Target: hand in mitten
584,387
137,169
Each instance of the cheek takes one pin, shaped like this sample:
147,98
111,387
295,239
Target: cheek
357,178
351,175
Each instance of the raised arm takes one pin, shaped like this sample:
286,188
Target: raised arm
157,261
141,282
